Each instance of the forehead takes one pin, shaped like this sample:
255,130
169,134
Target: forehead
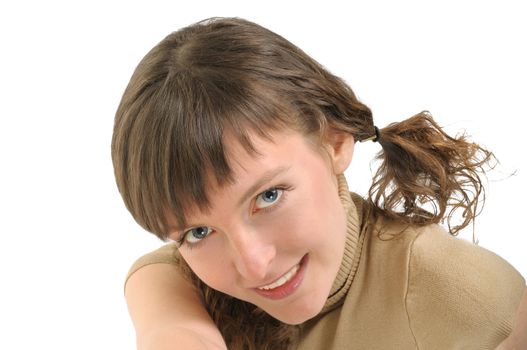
281,149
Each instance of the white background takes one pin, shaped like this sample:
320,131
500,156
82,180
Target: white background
66,240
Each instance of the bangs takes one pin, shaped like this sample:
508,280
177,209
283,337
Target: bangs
195,150
177,142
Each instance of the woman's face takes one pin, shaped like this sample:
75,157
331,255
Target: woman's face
274,238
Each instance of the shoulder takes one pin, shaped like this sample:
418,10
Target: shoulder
459,293
167,254
434,253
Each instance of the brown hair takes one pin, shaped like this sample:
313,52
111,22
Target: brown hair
228,75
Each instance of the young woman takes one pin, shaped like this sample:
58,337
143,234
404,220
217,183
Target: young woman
232,142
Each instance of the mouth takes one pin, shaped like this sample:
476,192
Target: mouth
287,284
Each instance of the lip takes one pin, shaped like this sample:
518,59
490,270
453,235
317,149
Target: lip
289,287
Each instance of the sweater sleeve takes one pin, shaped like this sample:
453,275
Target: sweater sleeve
167,254
459,295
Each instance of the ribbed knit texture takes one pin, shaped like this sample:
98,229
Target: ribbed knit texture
352,250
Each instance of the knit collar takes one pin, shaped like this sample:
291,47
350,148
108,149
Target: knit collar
352,251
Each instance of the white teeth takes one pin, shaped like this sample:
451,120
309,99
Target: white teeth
282,280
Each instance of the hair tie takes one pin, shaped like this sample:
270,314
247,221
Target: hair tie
375,137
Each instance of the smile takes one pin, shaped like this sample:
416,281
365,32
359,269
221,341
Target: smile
287,284
282,280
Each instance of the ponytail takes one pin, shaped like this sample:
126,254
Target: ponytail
426,176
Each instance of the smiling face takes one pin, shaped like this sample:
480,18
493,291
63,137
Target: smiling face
275,237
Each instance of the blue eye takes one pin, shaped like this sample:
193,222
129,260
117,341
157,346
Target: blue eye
196,234
268,198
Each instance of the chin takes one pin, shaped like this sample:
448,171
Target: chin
297,315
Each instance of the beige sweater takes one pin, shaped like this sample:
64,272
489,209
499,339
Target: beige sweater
403,287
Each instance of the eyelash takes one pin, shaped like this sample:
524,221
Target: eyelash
276,204
182,241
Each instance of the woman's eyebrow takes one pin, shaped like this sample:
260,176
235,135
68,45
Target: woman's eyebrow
266,177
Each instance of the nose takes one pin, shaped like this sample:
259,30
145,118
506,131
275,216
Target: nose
252,254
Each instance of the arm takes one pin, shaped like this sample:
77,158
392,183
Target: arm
167,312
518,337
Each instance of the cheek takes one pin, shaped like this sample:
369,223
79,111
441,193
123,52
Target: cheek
291,230
209,264
324,214
305,222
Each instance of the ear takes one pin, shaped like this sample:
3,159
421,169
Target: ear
340,146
